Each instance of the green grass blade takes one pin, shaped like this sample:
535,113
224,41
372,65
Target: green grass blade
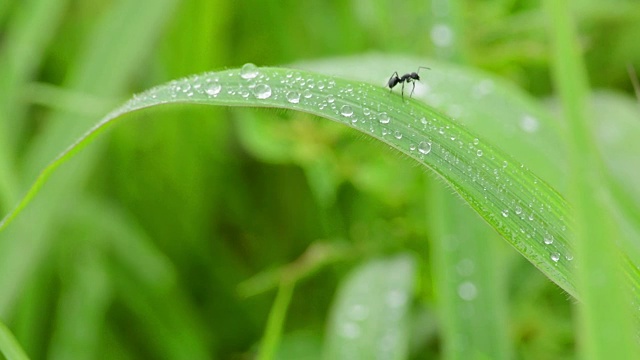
104,68
369,316
530,214
9,346
25,40
277,316
470,281
606,329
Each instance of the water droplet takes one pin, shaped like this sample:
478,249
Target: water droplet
476,141
330,99
412,147
320,85
442,35
293,97
467,291
397,135
424,121
262,91
505,164
359,312
479,152
483,88
548,239
518,210
249,71
466,267
424,147
366,111
396,298
529,124
350,330
213,89
505,213
569,257
555,257
384,118
307,94
346,110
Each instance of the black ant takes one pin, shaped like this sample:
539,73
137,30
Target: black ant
395,79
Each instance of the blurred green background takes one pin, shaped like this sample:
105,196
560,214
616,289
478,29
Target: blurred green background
168,238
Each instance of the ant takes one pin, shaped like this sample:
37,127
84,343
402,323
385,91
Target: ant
395,79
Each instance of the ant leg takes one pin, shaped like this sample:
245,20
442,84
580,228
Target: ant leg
393,76
403,91
413,88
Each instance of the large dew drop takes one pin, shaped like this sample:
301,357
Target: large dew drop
384,118
293,97
346,110
213,89
424,147
249,71
262,91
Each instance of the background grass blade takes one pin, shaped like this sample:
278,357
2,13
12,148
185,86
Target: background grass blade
607,330
103,51
520,206
369,314
9,347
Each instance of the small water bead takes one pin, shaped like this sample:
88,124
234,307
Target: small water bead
249,71
359,312
569,257
467,291
262,91
548,239
555,257
213,89
518,210
442,35
293,97
505,213
396,298
424,147
529,124
330,99
479,152
366,111
412,147
384,118
245,93
397,135
346,110
466,267
476,141
350,330
320,85
307,94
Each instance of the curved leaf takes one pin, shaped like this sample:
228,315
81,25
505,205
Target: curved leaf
529,213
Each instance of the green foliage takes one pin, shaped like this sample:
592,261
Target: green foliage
181,232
